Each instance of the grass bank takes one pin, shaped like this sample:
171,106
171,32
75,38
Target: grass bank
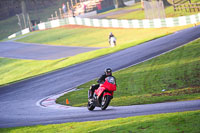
187,122
10,26
95,37
169,77
13,70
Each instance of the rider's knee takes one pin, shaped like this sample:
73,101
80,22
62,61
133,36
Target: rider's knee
92,87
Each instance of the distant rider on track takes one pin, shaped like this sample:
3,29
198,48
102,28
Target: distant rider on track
112,40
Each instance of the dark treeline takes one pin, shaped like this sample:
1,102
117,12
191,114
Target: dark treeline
10,8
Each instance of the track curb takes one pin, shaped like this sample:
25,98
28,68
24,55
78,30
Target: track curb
50,101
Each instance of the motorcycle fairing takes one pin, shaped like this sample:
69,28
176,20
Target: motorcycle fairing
106,86
99,91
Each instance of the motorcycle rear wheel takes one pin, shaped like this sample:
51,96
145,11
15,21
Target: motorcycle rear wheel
105,102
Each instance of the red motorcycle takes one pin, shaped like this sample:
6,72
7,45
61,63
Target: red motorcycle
103,95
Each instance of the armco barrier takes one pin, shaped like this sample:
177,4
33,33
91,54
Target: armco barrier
115,23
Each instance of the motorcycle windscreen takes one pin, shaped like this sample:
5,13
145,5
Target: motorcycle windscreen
109,84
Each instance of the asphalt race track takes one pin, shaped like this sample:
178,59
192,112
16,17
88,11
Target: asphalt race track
18,101
18,50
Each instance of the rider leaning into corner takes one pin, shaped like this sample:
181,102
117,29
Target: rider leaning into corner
107,72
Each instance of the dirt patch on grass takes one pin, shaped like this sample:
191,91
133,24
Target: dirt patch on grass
179,92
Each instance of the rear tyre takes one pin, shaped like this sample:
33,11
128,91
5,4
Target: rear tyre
105,101
90,106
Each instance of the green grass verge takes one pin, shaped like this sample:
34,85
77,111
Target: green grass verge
95,37
187,122
177,72
13,70
10,26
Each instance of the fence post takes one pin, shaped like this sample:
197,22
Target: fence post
24,20
72,3
52,16
198,6
29,22
189,5
174,5
60,13
67,6
56,14
186,7
19,21
194,7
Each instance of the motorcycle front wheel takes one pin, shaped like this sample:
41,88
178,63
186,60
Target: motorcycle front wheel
90,106
105,102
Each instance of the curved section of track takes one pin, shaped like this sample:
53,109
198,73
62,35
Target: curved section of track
18,101
16,50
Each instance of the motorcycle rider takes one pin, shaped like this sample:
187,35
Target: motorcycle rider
108,72
112,38
111,35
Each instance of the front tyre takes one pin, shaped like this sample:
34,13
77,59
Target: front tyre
105,101
90,106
